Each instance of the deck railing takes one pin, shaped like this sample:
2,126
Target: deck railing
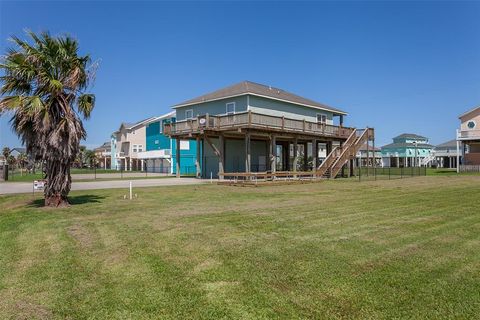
254,120
468,134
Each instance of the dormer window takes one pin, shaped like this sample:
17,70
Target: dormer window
471,124
230,108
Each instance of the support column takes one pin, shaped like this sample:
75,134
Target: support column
105,162
273,154
177,158
305,156
142,165
247,153
314,155
221,156
295,154
197,159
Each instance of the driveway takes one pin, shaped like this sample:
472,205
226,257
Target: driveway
27,187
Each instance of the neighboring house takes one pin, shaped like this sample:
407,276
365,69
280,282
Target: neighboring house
2,160
366,155
407,150
160,153
446,154
17,151
103,155
469,136
126,143
250,127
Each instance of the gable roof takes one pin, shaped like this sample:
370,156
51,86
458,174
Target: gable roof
370,147
410,136
447,145
470,111
19,150
130,125
252,88
163,116
105,145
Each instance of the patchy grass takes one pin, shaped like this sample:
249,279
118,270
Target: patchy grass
337,249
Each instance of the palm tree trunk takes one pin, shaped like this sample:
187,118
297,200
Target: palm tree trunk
59,182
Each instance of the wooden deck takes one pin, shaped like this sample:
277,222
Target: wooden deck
254,122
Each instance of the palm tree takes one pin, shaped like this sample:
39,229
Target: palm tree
44,85
91,158
6,152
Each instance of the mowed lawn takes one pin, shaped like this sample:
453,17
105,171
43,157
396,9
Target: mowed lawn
338,249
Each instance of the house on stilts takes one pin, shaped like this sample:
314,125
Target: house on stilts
250,128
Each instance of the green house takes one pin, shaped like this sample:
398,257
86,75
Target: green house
407,150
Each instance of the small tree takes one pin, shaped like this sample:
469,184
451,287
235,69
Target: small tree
6,152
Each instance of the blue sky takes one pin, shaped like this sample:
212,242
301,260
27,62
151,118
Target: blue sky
396,66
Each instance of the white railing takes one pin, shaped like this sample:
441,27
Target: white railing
468,134
425,161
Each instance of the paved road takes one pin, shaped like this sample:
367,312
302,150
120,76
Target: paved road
92,176
26,187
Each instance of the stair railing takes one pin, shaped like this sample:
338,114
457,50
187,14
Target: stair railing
350,148
329,160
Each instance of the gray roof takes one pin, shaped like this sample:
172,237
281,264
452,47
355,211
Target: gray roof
19,150
447,145
105,145
370,147
408,145
248,87
410,136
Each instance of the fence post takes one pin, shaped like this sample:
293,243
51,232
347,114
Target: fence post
389,173
401,173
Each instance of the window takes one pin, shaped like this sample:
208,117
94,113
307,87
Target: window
156,141
471,124
321,118
189,114
184,145
134,148
140,148
231,108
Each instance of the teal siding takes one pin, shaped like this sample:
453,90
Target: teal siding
213,107
155,139
187,158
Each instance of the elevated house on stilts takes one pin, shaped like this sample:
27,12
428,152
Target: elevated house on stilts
249,130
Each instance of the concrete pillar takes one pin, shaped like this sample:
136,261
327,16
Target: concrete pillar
177,158
105,162
197,159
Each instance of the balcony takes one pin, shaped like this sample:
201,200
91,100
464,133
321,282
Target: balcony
257,121
468,134
155,154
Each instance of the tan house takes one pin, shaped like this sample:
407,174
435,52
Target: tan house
103,155
469,136
126,144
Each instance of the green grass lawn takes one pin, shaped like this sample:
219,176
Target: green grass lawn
336,249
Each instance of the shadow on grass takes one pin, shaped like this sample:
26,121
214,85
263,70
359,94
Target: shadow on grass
74,200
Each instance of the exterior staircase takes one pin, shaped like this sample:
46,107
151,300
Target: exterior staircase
339,156
425,161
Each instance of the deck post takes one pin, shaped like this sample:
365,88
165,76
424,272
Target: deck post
314,155
177,158
273,154
197,160
305,156
295,154
458,155
221,156
247,152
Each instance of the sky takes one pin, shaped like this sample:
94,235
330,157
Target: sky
396,66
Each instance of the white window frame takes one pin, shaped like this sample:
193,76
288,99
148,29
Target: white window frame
226,107
139,147
134,148
322,115
187,112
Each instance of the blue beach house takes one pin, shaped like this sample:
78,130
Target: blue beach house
160,152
